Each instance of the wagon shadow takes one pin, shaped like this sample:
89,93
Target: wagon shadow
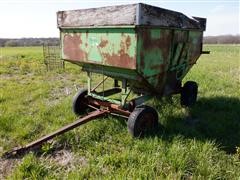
216,119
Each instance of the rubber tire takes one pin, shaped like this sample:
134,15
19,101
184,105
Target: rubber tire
137,121
189,93
78,106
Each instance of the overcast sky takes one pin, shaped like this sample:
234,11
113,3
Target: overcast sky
35,18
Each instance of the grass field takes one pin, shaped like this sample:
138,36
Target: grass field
34,102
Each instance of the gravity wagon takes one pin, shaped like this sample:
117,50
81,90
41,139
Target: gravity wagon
142,49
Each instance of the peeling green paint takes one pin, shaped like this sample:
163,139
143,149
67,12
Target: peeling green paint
134,52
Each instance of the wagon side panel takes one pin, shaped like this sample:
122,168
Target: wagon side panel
166,55
154,47
114,47
185,50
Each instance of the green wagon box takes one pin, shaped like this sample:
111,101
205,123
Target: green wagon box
148,49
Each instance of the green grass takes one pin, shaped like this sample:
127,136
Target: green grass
34,102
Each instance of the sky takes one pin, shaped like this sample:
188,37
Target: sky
35,18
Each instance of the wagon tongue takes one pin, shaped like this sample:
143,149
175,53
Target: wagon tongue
17,151
14,152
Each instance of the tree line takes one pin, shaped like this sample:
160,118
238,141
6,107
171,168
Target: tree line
28,42
223,39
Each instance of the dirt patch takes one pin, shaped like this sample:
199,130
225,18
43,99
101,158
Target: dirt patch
62,157
7,166
68,159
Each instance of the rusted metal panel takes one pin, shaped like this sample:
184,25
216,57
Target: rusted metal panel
110,47
72,49
131,14
157,55
165,56
154,53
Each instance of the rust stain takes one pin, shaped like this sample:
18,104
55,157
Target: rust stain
87,34
103,43
72,48
163,43
121,58
128,42
122,47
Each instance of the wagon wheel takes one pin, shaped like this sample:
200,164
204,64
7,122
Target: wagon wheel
143,119
78,105
189,93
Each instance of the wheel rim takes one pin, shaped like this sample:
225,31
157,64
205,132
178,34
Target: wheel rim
146,123
79,105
